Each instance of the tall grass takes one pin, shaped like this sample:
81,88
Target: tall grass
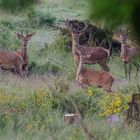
15,5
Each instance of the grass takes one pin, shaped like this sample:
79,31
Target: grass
33,108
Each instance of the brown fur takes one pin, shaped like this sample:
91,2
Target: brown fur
11,61
129,55
92,54
23,50
87,77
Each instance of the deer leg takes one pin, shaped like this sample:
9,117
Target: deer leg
137,71
125,68
104,67
14,70
129,70
19,70
25,69
107,85
27,72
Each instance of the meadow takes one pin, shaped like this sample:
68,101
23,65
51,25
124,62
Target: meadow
33,108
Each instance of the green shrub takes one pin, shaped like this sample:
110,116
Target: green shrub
40,18
15,5
61,43
7,24
47,67
54,58
7,40
87,104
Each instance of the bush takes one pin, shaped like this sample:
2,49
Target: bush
15,5
87,103
114,104
8,41
40,18
54,58
47,67
7,24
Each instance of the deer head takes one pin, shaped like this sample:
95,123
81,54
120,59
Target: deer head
75,28
24,39
123,34
102,44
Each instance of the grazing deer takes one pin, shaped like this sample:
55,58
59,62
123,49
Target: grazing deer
87,77
129,55
23,49
92,54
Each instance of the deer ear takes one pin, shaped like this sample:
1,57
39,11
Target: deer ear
28,37
103,43
19,35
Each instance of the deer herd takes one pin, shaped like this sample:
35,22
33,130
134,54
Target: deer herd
17,62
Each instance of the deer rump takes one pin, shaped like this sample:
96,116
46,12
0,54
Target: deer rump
9,60
100,79
93,54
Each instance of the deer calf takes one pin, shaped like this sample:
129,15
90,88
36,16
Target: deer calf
87,77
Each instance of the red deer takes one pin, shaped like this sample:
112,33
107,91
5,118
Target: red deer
92,54
129,55
11,61
23,50
87,77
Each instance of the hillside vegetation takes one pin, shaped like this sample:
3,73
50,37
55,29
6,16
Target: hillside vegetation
33,108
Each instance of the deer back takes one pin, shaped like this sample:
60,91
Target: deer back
10,58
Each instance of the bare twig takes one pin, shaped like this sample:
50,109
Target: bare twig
85,129
69,68
138,87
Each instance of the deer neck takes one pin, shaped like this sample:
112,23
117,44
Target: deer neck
23,52
75,42
124,50
80,70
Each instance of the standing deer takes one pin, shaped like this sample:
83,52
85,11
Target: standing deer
129,55
92,54
11,61
87,77
23,49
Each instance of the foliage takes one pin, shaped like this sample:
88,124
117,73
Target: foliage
40,18
15,5
127,12
48,67
42,111
7,41
33,108
62,43
114,104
